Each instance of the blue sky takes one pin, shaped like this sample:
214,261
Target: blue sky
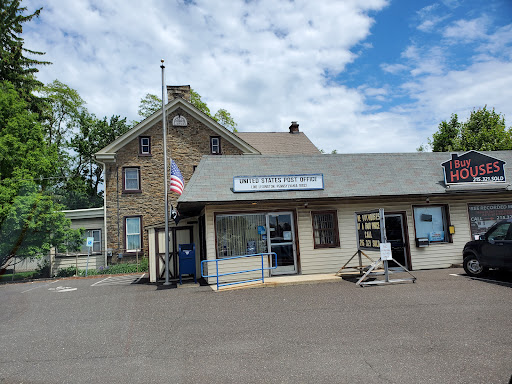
358,75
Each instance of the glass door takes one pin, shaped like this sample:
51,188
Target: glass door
281,240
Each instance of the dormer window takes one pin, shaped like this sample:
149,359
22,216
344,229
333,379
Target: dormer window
145,145
215,145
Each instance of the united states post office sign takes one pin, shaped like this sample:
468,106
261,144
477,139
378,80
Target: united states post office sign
275,183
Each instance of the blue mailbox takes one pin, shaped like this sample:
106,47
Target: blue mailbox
187,260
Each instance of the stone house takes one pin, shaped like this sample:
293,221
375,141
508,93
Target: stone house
133,173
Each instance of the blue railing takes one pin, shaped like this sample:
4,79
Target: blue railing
273,265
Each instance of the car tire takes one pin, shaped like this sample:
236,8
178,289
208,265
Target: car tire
473,267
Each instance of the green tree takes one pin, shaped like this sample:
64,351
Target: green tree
29,220
446,139
224,118
15,66
81,188
484,130
62,112
150,104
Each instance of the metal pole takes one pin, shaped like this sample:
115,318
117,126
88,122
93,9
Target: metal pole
166,186
87,265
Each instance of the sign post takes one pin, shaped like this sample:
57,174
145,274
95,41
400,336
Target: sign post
89,244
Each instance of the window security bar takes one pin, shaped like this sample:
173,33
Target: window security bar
272,263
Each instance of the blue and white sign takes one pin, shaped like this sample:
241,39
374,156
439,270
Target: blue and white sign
278,183
436,236
90,241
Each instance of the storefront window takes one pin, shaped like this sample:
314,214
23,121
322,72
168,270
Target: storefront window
431,222
241,235
483,216
325,229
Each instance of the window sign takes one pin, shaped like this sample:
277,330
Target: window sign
278,183
483,216
430,222
436,236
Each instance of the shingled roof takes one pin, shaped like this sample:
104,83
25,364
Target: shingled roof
284,143
345,176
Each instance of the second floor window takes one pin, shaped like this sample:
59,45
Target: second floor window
215,145
131,179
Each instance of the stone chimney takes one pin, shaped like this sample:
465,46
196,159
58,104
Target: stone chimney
178,91
294,128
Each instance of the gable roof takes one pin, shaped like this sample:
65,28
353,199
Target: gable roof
280,143
107,154
345,176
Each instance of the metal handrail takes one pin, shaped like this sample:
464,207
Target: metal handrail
262,269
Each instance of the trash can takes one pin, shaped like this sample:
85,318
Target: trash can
187,260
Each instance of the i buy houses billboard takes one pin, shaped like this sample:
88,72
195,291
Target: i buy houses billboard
473,167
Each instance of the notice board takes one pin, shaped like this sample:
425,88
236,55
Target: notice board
370,229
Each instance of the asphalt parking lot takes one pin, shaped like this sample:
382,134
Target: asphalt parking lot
445,328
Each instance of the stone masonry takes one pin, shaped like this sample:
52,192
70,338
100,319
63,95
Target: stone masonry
186,146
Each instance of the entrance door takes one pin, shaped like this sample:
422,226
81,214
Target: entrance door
281,240
396,236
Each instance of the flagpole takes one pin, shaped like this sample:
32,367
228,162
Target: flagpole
166,186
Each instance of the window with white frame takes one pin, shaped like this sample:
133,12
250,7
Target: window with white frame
215,145
96,245
133,230
431,222
131,179
144,145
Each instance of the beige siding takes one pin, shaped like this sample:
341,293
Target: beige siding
329,260
95,261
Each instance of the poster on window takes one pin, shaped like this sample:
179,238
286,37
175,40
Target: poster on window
483,216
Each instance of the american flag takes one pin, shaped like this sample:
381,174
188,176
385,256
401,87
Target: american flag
177,182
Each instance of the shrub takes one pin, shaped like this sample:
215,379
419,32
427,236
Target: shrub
66,272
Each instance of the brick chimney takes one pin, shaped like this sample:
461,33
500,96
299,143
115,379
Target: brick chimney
294,128
178,91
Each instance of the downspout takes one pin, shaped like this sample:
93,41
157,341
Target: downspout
104,166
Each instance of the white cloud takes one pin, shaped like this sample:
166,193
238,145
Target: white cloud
467,30
267,62
428,19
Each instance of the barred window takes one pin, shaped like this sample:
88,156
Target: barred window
325,229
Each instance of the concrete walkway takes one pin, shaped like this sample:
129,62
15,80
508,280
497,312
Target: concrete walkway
275,281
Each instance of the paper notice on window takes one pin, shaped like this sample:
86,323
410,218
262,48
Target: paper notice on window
287,235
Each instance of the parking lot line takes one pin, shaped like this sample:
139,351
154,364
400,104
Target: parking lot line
98,282
39,286
119,280
482,279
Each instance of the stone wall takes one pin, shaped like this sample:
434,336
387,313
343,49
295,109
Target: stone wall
186,145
